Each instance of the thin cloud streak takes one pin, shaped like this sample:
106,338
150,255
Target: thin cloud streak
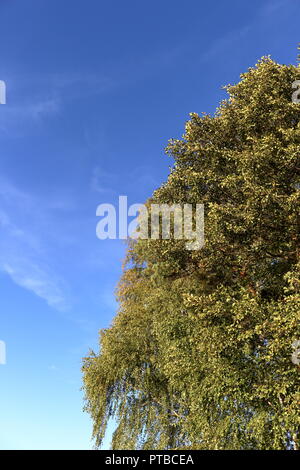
23,254
31,277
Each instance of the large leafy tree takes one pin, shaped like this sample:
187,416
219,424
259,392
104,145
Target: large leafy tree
199,354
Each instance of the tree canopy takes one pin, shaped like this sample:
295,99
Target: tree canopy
199,354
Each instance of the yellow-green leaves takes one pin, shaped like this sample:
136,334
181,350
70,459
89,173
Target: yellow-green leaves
199,354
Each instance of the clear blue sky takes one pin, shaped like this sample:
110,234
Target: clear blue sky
94,91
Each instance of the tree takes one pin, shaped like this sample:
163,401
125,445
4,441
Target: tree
199,353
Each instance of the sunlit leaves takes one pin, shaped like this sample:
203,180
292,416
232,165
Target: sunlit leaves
199,354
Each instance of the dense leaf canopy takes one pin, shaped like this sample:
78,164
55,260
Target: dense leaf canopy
199,353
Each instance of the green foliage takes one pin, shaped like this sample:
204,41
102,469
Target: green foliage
199,354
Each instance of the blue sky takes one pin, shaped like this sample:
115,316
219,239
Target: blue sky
94,91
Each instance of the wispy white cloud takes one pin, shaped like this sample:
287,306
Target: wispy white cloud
272,6
23,254
32,277
222,44
16,117
36,98
103,181
107,182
